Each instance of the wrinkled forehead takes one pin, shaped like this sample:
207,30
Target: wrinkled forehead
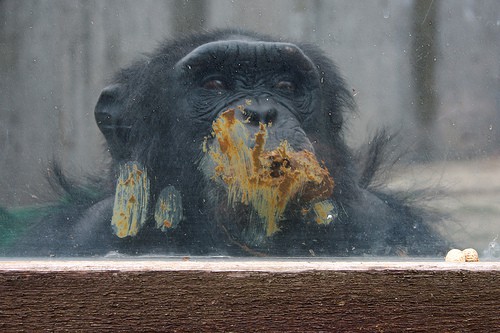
246,52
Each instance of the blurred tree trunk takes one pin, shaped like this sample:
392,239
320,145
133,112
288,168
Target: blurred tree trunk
423,61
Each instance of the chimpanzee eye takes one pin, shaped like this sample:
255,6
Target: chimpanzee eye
214,85
285,85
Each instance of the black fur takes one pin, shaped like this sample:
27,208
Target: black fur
147,115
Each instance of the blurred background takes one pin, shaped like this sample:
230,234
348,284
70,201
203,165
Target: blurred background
429,69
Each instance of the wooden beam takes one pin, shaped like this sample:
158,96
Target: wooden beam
196,294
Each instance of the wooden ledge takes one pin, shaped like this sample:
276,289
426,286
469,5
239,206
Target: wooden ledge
222,294
271,265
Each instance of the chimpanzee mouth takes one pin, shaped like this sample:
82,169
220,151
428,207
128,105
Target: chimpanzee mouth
266,180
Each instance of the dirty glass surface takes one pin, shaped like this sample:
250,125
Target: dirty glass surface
263,128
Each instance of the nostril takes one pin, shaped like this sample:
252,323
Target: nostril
270,116
256,116
250,117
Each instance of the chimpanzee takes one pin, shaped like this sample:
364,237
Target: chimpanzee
231,142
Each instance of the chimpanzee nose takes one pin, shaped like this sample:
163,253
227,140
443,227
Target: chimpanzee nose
256,113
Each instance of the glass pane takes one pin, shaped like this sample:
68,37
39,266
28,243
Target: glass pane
325,128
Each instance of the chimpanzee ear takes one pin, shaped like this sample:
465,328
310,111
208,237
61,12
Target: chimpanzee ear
109,114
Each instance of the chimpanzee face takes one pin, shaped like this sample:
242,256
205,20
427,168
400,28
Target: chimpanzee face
270,83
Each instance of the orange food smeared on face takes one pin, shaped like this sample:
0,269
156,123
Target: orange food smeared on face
265,180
